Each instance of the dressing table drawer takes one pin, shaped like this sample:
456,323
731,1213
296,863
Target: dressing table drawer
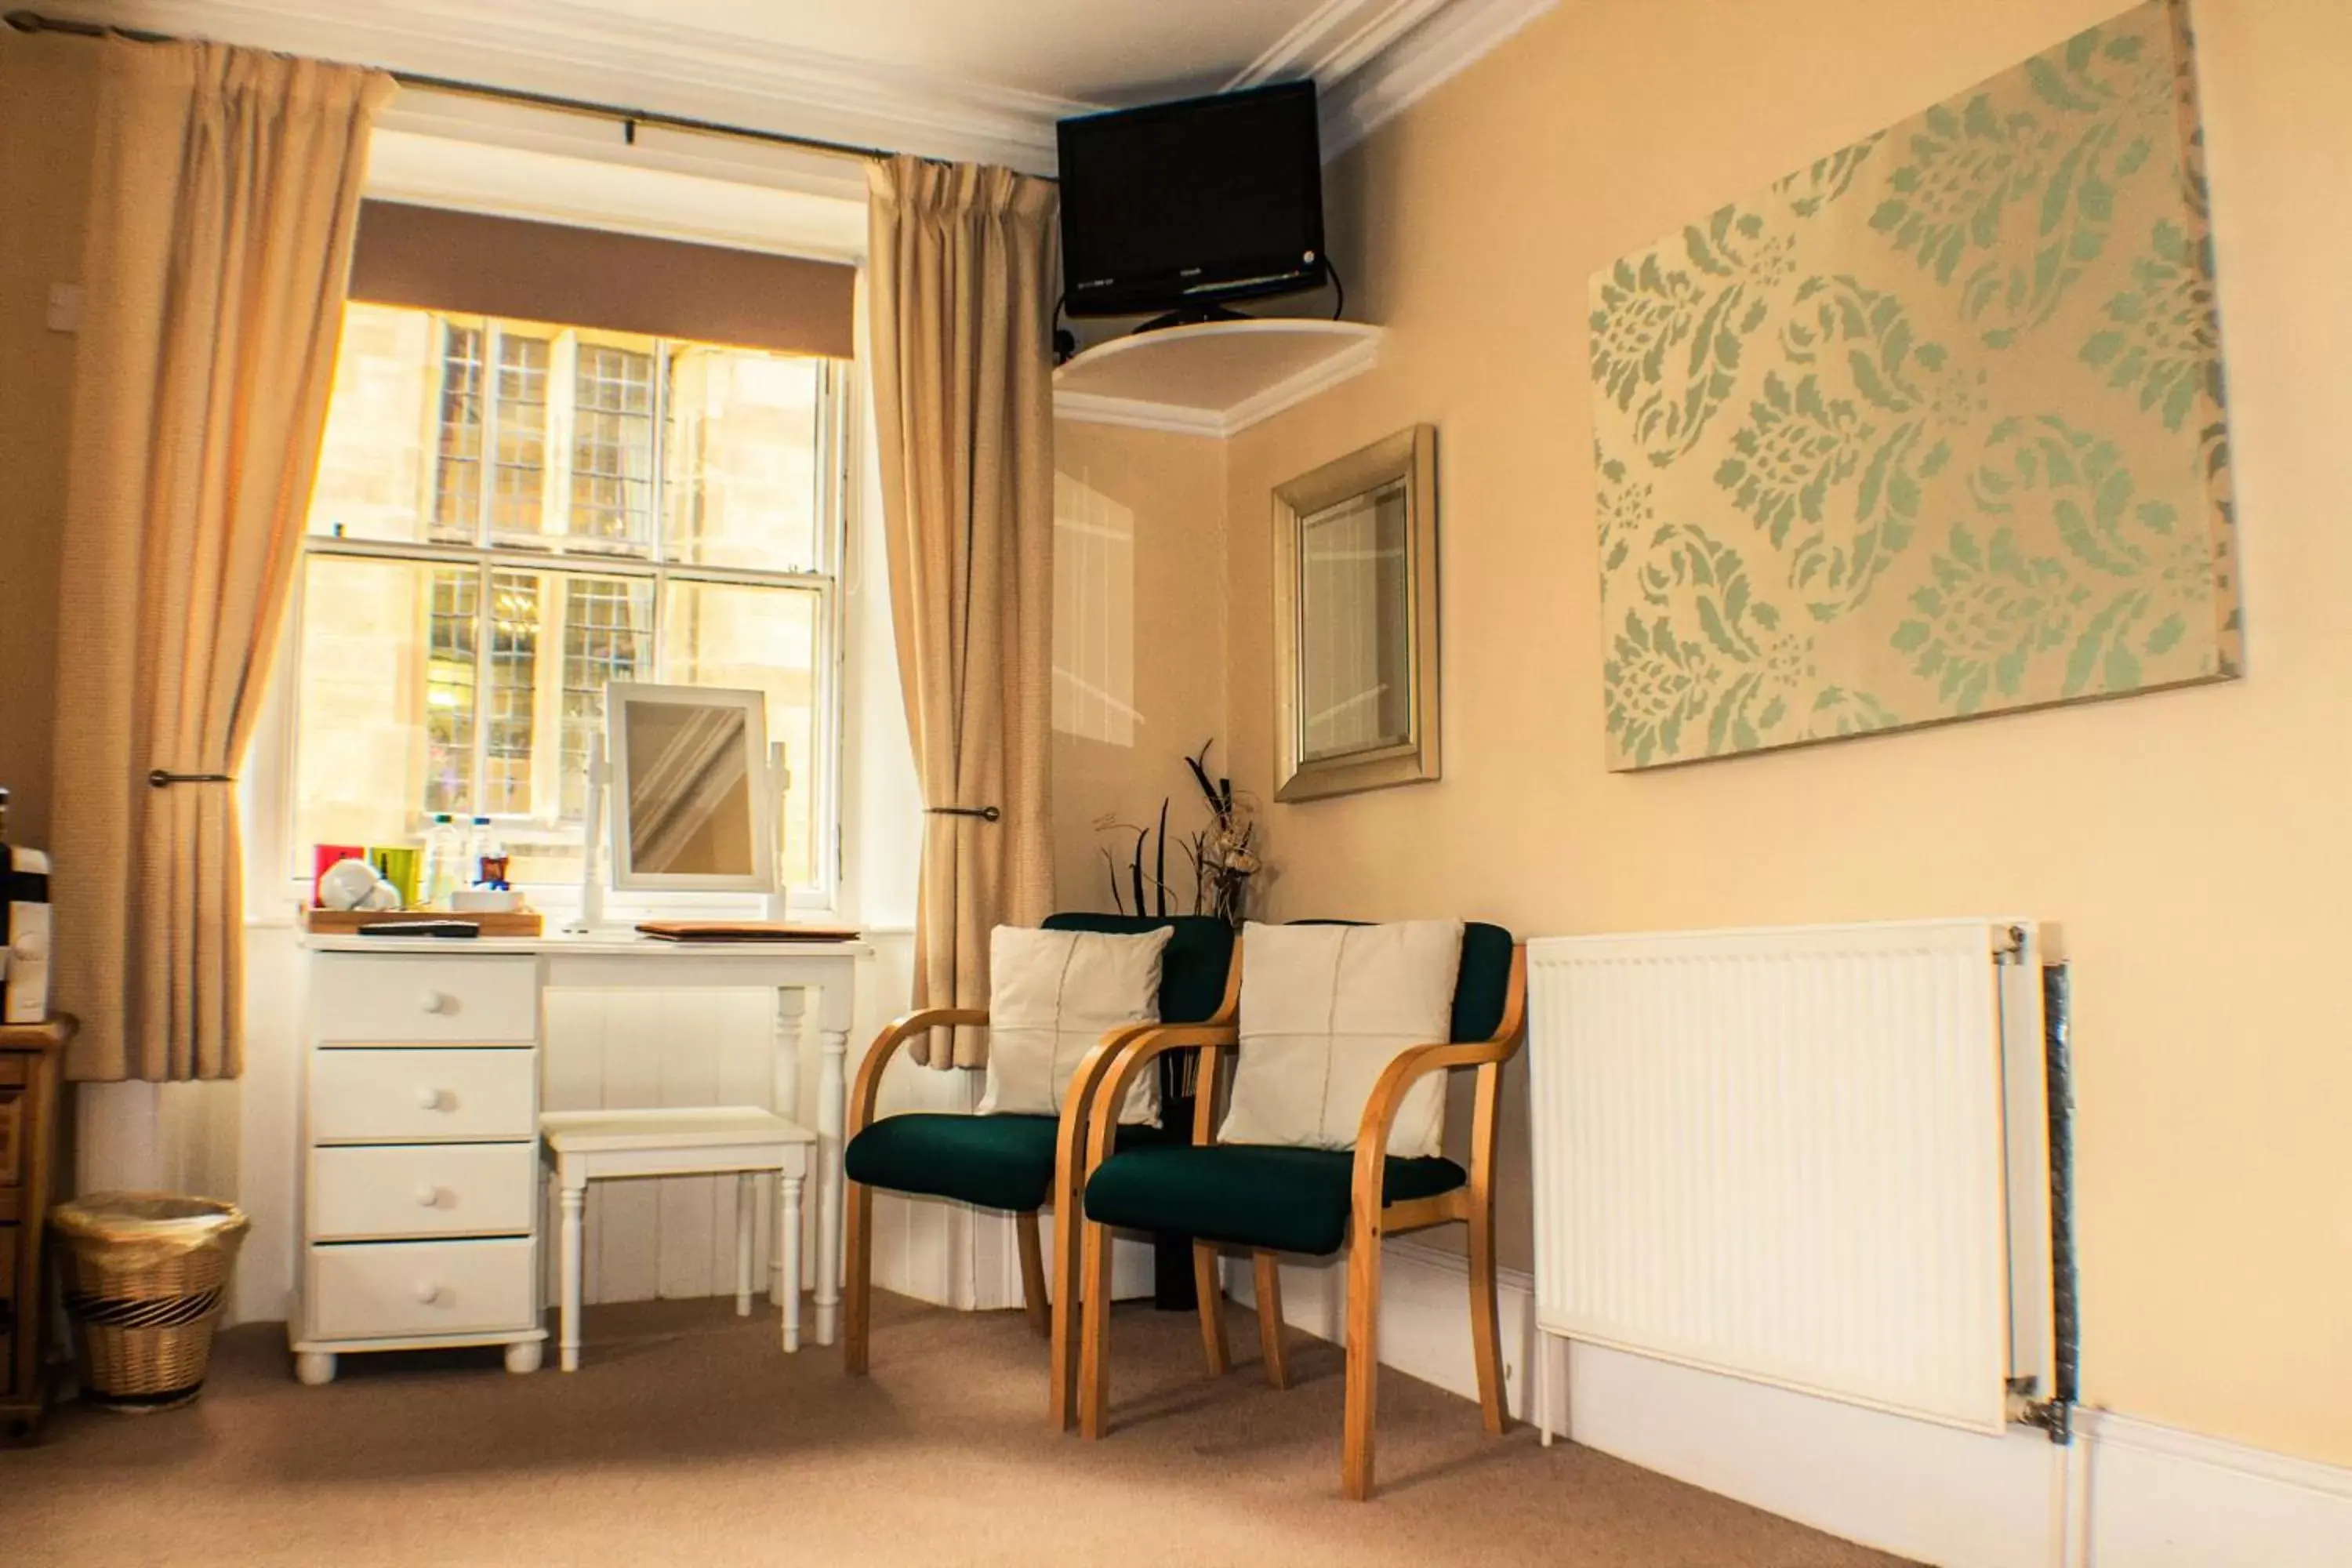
407,1094
417,1289
402,998
423,1190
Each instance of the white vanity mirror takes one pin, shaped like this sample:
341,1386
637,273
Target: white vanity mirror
691,808
694,789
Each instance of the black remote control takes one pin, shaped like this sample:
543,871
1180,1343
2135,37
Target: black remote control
454,929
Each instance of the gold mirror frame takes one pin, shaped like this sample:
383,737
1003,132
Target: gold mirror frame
1408,457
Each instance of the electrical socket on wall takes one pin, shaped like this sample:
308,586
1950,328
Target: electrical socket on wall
65,307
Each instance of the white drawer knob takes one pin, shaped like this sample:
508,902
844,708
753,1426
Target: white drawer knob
432,1001
428,1198
432,1100
429,1294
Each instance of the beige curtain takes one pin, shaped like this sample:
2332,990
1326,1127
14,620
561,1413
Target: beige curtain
961,262
226,185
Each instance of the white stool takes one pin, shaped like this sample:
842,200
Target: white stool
586,1145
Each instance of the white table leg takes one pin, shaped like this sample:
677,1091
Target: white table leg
785,1094
787,1243
575,1200
747,1207
832,1109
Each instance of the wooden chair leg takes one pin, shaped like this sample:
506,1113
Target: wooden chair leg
1363,1365
1486,1337
1269,1319
1033,1275
1094,1357
1210,1291
1069,1227
857,1273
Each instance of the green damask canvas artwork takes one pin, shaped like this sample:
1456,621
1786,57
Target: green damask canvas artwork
1930,429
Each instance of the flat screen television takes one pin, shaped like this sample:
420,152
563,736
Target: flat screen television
1180,207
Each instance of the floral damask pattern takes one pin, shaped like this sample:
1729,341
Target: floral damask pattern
1933,427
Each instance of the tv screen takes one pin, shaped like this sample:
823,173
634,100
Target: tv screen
1179,207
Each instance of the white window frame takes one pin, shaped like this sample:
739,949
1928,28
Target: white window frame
840,458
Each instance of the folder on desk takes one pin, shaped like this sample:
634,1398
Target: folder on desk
744,930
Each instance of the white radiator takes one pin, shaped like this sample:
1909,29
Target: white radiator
1814,1156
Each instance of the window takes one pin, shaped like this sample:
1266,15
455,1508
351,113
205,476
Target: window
508,516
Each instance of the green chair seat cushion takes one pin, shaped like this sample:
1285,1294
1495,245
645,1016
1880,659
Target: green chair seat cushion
993,1161
1250,1195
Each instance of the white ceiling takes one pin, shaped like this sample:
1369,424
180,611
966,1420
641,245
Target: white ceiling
977,79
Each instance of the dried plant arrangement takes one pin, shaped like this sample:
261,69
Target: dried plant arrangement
1222,856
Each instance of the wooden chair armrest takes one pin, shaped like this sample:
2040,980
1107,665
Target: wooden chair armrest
1072,1145
1087,1083
1213,1058
1418,1061
895,1033
1142,1044
1078,1100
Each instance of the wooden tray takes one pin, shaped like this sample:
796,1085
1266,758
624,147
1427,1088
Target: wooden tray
494,923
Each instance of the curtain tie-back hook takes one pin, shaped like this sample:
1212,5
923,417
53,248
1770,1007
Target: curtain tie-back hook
985,813
162,779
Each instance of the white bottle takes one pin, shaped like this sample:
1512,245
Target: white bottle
443,847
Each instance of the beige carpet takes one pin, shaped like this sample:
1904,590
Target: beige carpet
687,1437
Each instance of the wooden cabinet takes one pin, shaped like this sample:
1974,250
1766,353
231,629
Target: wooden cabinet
30,1059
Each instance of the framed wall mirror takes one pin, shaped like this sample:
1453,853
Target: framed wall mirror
691,807
1356,621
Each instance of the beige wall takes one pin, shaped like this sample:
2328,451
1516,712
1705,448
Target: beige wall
2191,844
1139,642
48,95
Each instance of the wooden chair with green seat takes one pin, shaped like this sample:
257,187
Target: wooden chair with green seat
1015,1162
1274,1198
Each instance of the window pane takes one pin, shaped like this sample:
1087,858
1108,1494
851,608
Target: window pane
449,679
364,700
607,636
744,459
513,705
763,639
611,445
458,481
373,464
518,469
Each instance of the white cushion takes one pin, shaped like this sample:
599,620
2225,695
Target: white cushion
1325,1009
1052,996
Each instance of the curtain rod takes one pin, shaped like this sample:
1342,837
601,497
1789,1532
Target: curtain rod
629,118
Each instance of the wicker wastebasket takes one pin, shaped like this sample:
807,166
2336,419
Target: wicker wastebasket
146,1275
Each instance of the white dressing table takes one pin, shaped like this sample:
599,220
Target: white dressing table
419,1194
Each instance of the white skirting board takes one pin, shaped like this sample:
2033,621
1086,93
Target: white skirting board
2157,1496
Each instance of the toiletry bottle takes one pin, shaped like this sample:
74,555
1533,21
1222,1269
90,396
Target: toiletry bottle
489,857
444,849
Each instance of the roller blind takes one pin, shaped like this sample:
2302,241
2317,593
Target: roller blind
471,264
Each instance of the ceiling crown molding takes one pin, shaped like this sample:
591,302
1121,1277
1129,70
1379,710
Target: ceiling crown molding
1335,39
1371,59
1408,69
